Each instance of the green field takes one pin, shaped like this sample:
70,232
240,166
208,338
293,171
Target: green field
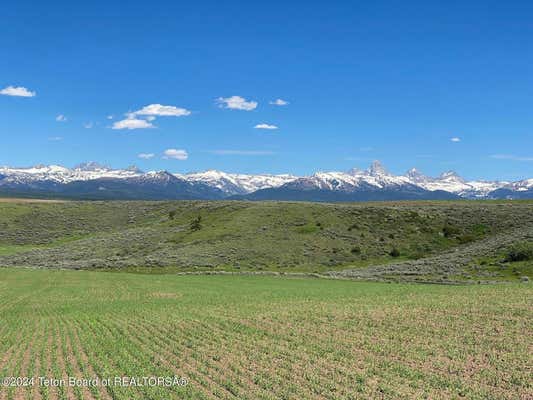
264,337
463,241
236,300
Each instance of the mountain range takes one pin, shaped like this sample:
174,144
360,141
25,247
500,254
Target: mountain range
94,181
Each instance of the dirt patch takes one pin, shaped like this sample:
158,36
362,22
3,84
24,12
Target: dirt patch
165,295
16,200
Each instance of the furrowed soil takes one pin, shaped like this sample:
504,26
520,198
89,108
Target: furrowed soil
252,337
445,242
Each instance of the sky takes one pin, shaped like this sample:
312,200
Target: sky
271,86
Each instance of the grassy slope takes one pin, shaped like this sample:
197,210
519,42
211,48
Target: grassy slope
264,337
243,236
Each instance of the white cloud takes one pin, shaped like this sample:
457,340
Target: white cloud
18,91
175,154
110,117
510,157
149,112
236,103
162,111
146,156
279,102
61,118
88,125
132,123
55,138
357,159
265,126
242,152
455,139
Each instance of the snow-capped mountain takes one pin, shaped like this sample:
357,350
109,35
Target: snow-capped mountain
375,177
451,182
59,174
95,181
232,184
376,183
227,183
514,190
521,186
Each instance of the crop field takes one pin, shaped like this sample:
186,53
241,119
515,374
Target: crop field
251,337
243,300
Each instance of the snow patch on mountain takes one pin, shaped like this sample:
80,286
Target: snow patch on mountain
520,186
451,182
59,174
237,183
376,177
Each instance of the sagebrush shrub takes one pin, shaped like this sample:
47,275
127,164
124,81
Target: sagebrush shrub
520,252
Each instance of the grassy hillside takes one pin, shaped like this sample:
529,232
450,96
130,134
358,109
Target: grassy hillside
263,337
404,240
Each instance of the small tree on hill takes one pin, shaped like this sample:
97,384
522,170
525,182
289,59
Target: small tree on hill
395,252
450,230
196,223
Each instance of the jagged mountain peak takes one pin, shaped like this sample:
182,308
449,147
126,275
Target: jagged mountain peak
451,175
134,168
231,183
91,166
161,173
47,168
377,168
354,171
416,175
218,184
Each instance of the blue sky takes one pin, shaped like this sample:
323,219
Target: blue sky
394,81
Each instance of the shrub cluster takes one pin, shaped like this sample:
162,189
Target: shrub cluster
520,252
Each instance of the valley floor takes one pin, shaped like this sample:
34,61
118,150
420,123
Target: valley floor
263,337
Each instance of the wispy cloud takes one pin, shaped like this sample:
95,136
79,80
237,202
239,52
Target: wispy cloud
510,157
88,125
55,138
110,117
279,102
146,156
265,126
175,154
17,91
455,139
61,118
242,152
357,158
159,110
132,123
236,103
